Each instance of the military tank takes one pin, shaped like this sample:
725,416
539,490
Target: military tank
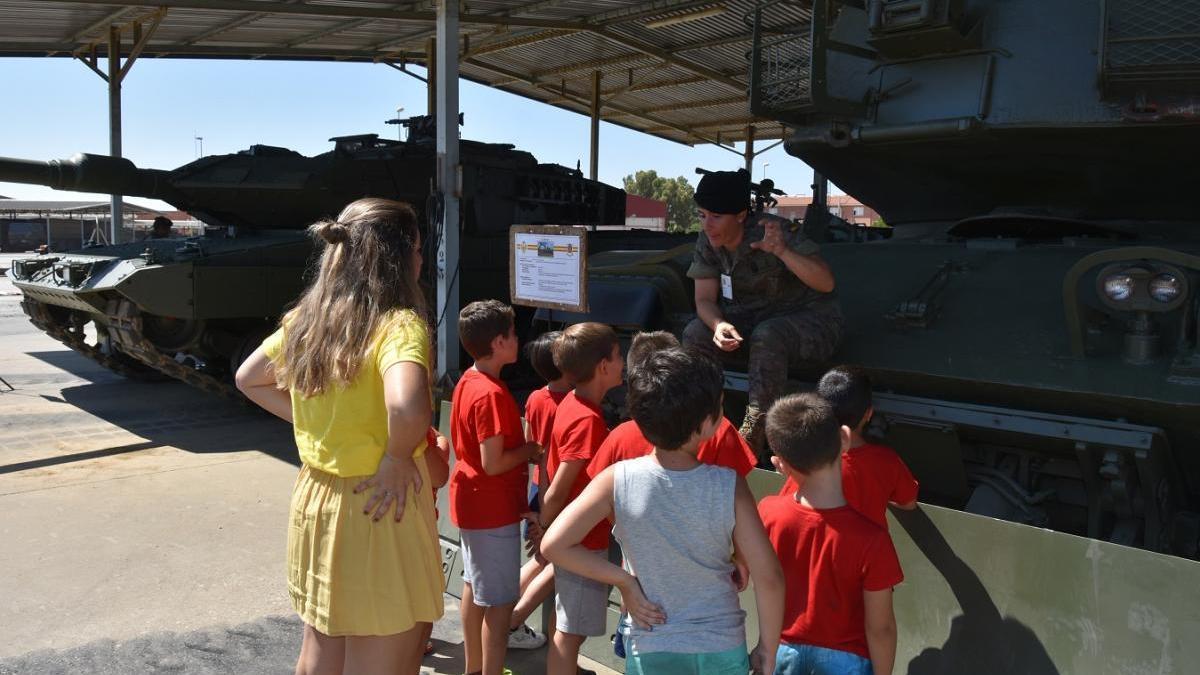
1031,326
193,308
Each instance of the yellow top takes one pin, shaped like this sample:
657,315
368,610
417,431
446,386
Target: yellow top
344,430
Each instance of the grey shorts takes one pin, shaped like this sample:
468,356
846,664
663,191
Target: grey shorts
492,564
580,604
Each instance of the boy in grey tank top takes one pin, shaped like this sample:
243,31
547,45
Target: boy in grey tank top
678,522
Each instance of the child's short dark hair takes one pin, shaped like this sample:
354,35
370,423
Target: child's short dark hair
848,390
645,344
581,348
541,355
481,322
803,430
672,393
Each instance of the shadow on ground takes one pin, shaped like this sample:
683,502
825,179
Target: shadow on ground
170,413
267,646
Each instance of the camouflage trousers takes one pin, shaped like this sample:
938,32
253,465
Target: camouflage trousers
772,343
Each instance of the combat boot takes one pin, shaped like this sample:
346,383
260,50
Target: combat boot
754,430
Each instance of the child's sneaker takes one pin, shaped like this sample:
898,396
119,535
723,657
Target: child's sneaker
524,637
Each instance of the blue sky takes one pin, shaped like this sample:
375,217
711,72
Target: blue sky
56,107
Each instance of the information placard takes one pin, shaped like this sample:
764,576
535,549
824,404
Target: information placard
548,267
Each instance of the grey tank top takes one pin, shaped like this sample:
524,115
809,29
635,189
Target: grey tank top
676,532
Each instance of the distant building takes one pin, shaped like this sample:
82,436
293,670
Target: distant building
645,213
844,206
66,225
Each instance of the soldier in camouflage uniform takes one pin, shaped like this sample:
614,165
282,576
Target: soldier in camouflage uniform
758,276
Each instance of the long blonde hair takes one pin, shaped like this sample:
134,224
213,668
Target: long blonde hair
365,273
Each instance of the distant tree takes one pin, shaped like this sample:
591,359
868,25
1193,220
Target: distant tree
878,222
676,192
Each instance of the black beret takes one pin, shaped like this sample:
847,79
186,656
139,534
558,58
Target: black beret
724,191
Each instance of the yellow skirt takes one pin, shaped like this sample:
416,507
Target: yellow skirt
350,575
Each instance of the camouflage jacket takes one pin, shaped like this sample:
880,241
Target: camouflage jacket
761,282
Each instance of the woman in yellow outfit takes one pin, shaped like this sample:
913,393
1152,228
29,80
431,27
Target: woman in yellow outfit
349,367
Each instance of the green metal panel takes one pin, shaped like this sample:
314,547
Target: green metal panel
230,292
160,290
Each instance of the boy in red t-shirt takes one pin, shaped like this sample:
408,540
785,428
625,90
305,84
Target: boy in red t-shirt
840,567
873,475
725,448
588,354
537,578
487,488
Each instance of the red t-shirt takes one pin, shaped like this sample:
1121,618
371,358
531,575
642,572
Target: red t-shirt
726,448
577,434
872,476
539,417
482,408
431,446
829,557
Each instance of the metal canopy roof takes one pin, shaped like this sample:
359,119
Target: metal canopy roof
677,69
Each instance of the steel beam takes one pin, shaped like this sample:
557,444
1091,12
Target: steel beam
646,86
734,122
531,7
140,40
341,11
108,20
117,218
584,104
516,41
449,187
160,49
224,27
748,153
666,56
590,64
431,85
594,154
703,103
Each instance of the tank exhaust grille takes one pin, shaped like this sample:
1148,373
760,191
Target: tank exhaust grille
1150,44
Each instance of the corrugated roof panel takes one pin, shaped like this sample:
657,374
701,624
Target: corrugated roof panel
665,94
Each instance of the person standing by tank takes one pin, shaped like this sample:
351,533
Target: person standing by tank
349,367
161,228
759,280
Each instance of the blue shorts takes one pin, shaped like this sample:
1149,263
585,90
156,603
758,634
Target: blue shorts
797,659
730,662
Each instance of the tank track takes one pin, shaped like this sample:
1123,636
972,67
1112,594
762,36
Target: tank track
73,337
125,329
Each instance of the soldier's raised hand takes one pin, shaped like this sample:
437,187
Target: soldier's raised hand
772,241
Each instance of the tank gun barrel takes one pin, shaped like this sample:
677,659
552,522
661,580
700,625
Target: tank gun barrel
90,173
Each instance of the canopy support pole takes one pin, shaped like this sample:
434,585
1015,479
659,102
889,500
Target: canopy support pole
594,155
449,187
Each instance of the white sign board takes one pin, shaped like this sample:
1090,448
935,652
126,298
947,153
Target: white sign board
548,267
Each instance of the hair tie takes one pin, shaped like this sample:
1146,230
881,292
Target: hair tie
332,231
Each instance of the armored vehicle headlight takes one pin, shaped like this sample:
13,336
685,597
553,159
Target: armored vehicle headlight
1164,287
1118,286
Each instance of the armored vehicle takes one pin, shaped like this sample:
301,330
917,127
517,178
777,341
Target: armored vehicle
1031,326
194,308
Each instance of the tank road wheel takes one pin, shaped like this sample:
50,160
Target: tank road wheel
171,335
127,326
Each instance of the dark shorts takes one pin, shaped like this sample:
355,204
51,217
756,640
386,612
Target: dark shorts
534,502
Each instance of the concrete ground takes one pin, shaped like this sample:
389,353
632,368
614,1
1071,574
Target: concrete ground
143,524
